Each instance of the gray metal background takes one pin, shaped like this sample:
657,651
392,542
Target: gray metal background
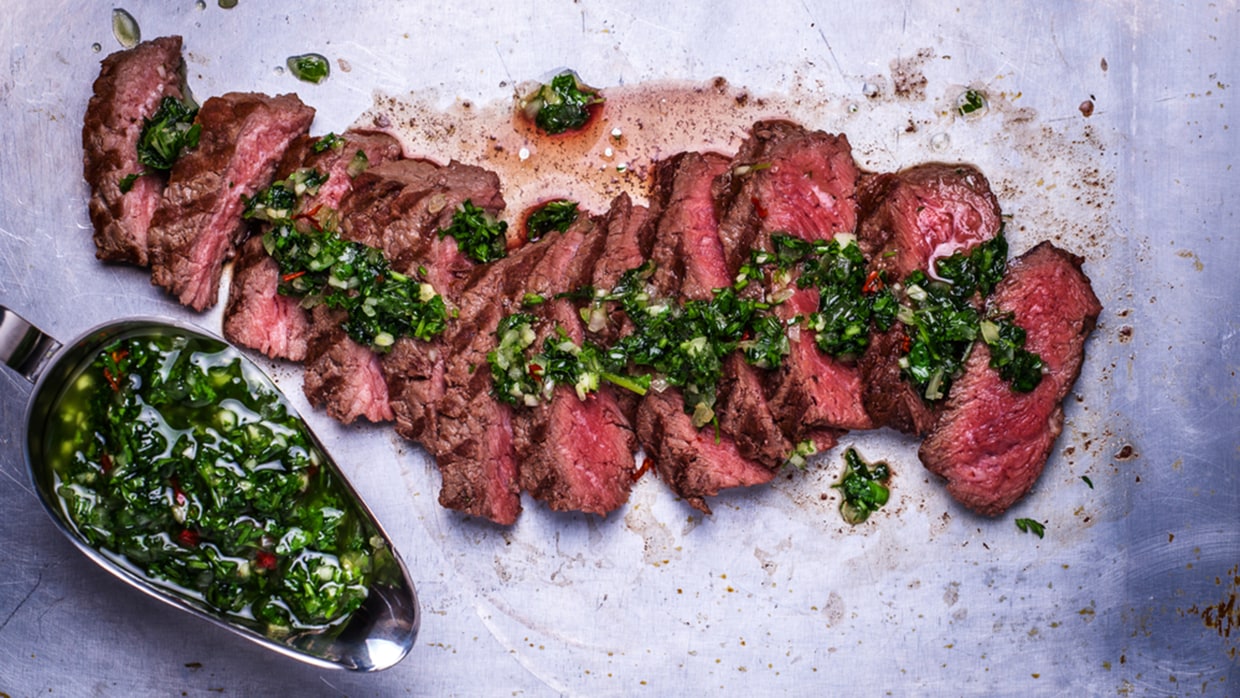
773,595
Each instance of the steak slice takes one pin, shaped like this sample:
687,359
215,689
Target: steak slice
991,442
789,180
401,206
129,89
688,245
472,440
693,462
785,179
698,463
198,223
574,454
341,375
257,315
913,218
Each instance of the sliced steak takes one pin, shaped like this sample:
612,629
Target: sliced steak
258,316
693,462
401,206
912,219
786,179
698,463
198,223
342,376
574,454
129,89
991,443
472,440
688,247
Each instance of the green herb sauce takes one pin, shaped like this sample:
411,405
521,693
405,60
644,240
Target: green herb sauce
864,488
165,134
177,458
309,67
478,235
562,105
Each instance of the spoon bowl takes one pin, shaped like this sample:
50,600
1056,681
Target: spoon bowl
374,636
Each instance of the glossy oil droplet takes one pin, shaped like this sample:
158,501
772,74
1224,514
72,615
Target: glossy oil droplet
940,142
125,28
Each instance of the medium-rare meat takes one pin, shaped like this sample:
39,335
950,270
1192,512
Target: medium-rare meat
786,179
401,206
689,250
693,462
698,463
258,316
991,442
472,440
911,219
199,220
129,89
574,454
341,375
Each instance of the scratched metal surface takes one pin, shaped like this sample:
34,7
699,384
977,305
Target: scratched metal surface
1130,591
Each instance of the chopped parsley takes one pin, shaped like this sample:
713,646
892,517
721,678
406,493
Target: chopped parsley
165,134
280,199
970,102
864,488
382,304
478,234
553,215
329,142
1030,526
562,105
942,323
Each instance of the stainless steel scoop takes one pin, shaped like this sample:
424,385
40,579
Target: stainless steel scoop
378,634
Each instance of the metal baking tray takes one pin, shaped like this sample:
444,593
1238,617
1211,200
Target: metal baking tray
1132,589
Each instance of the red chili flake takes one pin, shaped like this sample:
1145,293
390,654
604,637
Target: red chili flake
265,560
119,356
906,344
647,466
873,284
311,216
759,206
293,275
112,380
536,371
105,462
188,538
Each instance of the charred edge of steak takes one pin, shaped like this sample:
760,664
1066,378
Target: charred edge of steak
129,89
992,443
199,221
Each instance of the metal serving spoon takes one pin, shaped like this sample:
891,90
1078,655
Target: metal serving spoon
376,636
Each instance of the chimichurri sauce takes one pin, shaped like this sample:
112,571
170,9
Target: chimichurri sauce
177,458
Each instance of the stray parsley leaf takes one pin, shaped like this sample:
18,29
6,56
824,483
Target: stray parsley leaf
563,105
864,489
1030,526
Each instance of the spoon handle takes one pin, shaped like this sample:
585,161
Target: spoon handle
24,347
